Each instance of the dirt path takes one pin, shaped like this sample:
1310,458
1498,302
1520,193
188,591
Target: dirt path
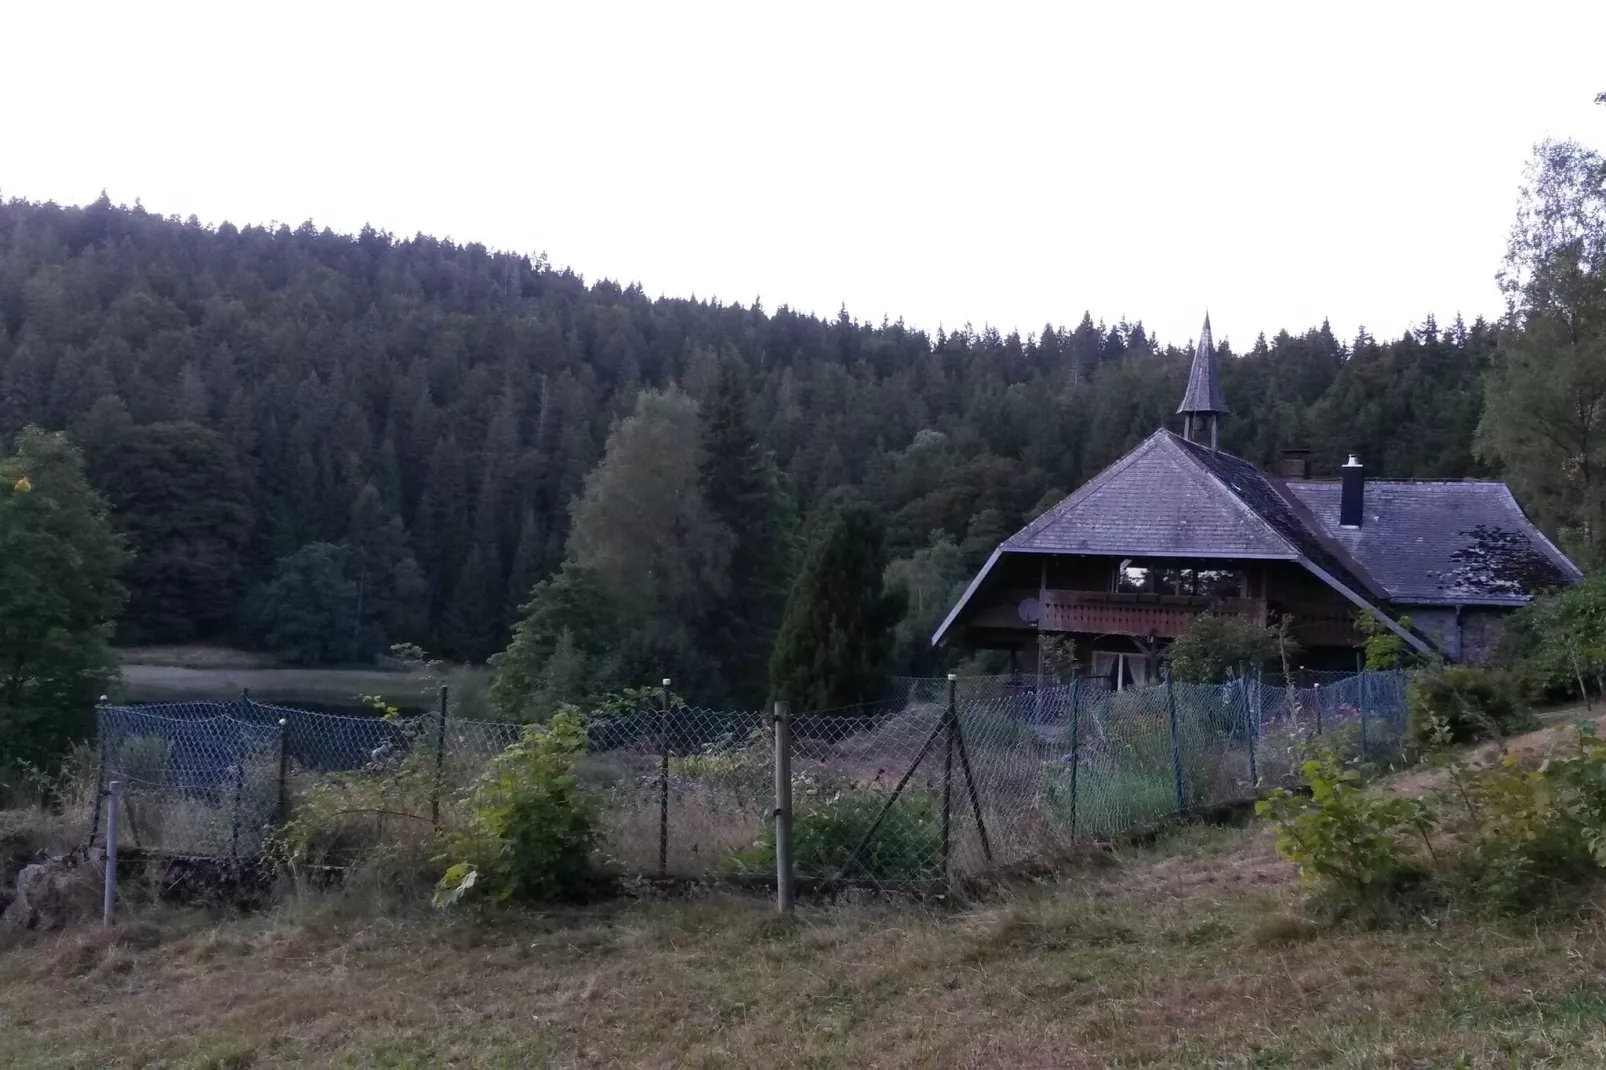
1538,745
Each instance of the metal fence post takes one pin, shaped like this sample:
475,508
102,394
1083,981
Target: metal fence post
1360,684
663,780
1318,709
239,791
785,889
949,716
1176,748
1251,688
108,901
284,773
100,766
1076,745
440,762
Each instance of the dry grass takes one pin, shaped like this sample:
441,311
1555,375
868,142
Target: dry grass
1191,954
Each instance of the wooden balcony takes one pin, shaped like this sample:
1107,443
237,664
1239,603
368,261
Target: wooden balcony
1163,615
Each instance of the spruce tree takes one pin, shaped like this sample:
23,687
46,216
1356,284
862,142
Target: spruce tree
836,633
741,489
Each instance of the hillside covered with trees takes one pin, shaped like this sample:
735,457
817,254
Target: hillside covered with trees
324,443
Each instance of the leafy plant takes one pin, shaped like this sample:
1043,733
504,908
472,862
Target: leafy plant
531,833
906,846
1384,648
1218,647
1462,703
1346,838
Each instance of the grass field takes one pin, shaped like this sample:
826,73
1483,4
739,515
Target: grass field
181,673
1193,953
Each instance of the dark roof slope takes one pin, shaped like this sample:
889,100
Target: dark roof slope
1442,542
1259,493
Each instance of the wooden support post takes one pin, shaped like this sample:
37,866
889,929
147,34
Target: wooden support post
949,721
785,879
1076,747
440,762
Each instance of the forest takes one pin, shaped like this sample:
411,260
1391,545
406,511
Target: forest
324,444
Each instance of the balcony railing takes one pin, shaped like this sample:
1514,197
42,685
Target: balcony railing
1164,616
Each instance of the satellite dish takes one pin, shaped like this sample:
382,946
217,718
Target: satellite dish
1030,610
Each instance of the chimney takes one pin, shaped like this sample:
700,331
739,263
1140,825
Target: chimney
1352,493
1295,464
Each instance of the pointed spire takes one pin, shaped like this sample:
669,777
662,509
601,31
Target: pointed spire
1204,379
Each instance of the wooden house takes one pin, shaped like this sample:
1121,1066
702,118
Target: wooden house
1177,527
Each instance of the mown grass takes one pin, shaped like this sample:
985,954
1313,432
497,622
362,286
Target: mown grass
1194,953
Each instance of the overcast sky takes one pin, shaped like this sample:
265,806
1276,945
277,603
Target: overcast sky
988,163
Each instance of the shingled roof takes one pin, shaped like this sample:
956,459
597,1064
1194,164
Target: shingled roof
1204,378
1441,543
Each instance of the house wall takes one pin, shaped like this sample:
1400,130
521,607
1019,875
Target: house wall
1481,632
1438,624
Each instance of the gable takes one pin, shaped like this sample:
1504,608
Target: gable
1153,502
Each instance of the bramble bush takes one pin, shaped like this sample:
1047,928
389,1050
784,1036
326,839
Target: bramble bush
531,833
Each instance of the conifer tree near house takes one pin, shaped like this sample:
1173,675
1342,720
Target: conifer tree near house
837,630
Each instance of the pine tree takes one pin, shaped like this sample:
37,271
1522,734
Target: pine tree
837,629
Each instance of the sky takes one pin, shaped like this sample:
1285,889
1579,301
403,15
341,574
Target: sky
987,164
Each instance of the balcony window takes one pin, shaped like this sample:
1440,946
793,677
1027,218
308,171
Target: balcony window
1134,579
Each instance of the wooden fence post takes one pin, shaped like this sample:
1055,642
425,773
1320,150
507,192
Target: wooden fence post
1176,748
663,780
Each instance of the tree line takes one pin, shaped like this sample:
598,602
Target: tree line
322,444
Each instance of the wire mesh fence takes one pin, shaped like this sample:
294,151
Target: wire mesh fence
943,780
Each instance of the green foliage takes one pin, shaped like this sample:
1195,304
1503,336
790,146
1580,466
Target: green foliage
1558,641
835,635
531,833
308,613
928,583
907,846
1219,647
1462,703
1344,837
178,491
59,596
561,650
1385,650
742,489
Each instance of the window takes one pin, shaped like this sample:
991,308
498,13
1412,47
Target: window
1133,579
1121,669
1179,580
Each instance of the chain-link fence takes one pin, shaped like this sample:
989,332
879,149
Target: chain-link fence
943,780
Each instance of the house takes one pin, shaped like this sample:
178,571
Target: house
1177,527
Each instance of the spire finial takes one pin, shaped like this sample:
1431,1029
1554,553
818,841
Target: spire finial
1204,396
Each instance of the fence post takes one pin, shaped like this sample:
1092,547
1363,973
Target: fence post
785,889
1076,744
100,766
440,762
1251,721
284,773
239,791
1360,683
1318,709
949,720
1176,748
663,780
108,901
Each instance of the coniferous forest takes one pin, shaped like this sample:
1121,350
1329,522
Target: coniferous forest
322,444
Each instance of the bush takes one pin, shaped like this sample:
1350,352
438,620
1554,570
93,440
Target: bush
1218,648
1459,704
907,846
532,833
1346,839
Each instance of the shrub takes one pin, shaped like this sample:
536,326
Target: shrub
907,846
531,833
1345,838
1217,648
1460,703
1532,831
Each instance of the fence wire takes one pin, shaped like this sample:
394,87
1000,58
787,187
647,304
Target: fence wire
941,781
